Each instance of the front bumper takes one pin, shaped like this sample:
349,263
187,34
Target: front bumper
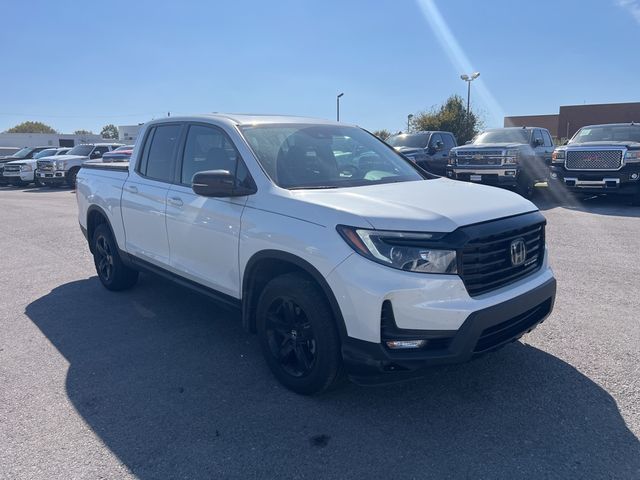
483,331
503,176
10,177
625,181
54,177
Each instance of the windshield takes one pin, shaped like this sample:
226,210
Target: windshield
413,140
325,156
608,133
83,150
45,153
23,152
502,136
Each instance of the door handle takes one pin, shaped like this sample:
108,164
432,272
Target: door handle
175,201
131,188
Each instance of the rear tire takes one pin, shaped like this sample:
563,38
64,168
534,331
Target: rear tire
112,272
298,335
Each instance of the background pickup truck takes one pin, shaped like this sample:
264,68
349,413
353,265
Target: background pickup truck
429,150
600,159
343,256
64,168
506,157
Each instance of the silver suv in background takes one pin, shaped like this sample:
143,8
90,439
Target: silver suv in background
63,169
429,150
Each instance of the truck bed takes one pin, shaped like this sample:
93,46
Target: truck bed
110,166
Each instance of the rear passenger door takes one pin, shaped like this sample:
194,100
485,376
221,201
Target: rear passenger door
144,195
204,232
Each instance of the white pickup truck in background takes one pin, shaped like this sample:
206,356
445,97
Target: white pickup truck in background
343,256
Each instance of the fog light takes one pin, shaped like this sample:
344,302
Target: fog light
510,172
450,174
634,176
554,175
404,344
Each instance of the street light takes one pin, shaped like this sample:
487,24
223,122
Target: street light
338,107
469,79
409,117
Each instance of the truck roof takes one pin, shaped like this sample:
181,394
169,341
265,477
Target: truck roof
249,119
630,124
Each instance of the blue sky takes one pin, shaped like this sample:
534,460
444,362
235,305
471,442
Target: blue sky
80,65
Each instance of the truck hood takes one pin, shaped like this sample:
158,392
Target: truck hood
438,205
490,146
602,144
66,157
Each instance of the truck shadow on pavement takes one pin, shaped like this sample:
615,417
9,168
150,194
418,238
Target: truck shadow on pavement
171,384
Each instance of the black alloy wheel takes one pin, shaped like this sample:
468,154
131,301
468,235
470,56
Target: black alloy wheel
104,259
290,336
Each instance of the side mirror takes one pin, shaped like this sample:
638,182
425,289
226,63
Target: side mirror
95,155
218,183
538,142
468,142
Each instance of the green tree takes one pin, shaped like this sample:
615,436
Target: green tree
449,117
83,132
382,134
31,127
109,131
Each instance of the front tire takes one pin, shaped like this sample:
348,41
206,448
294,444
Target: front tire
298,335
112,272
71,177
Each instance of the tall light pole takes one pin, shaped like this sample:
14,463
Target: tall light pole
469,79
409,117
338,107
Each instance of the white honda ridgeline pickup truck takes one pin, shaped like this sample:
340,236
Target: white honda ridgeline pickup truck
342,255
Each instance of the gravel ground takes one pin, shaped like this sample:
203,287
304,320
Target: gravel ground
158,382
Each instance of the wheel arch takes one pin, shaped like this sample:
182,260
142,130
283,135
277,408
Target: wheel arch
265,265
96,216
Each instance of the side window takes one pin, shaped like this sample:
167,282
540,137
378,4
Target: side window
435,138
537,137
144,156
101,149
160,161
207,148
547,139
449,141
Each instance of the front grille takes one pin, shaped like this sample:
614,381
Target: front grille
45,166
479,157
487,263
513,328
593,159
12,168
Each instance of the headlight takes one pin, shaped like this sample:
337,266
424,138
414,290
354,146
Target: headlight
59,165
404,251
26,168
511,157
632,156
558,156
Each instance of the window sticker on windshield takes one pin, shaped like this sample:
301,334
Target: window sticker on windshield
585,131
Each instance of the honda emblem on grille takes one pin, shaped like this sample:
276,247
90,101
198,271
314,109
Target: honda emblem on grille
518,252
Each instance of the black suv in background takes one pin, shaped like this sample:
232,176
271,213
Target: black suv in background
515,157
22,154
429,150
600,159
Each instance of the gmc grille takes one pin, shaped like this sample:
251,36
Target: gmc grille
12,168
487,263
593,159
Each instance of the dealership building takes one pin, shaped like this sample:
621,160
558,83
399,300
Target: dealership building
571,118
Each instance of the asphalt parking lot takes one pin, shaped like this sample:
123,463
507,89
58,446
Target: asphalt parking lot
158,382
